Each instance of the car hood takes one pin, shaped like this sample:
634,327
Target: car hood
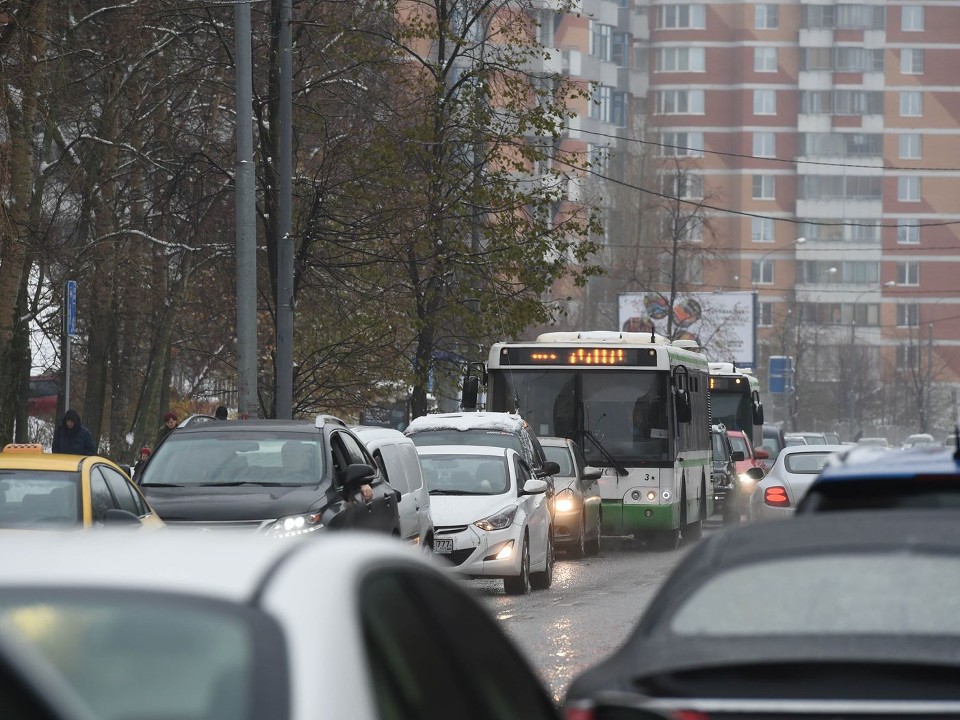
561,483
466,509
234,503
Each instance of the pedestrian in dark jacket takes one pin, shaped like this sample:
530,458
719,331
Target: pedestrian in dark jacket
169,423
72,437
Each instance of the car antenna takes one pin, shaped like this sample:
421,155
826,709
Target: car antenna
956,442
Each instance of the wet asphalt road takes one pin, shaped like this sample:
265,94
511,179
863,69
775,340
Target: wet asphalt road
589,610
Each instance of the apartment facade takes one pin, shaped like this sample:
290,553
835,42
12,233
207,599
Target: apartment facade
824,136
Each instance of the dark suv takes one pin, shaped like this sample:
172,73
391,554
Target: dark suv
726,482
277,477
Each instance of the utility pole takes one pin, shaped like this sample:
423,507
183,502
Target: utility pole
245,214
850,374
284,361
928,381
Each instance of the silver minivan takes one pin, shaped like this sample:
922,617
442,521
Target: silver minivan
397,457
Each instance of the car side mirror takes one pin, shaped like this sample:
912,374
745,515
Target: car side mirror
533,486
356,475
471,392
737,456
591,473
755,473
761,454
550,468
117,516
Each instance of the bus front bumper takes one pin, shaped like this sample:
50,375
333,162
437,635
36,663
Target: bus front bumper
627,519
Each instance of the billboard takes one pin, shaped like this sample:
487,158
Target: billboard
724,323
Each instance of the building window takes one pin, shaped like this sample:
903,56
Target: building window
620,49
764,102
600,40
908,232
908,188
761,230
911,18
911,103
764,144
761,272
907,356
908,273
831,187
911,61
910,146
680,59
681,144
683,17
764,187
766,17
686,185
602,104
908,315
764,59
766,314
680,102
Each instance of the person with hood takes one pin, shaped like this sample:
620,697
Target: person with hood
72,437
169,423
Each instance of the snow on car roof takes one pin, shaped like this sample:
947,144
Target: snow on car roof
502,422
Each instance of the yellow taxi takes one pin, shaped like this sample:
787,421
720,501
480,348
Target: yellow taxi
39,489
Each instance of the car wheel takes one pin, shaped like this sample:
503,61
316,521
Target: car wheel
593,546
580,549
543,580
520,585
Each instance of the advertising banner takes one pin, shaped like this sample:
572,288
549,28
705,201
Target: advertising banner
724,323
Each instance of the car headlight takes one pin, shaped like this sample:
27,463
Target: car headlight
499,520
566,501
294,525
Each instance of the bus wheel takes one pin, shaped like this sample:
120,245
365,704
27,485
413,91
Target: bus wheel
593,546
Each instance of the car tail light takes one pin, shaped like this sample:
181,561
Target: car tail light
579,713
776,495
689,715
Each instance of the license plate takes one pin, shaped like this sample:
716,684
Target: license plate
443,546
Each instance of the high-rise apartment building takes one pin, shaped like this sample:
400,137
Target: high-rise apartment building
822,138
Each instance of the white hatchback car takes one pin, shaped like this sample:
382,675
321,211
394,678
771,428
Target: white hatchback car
213,627
490,515
399,463
777,495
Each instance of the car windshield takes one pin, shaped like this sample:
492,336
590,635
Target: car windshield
805,463
830,594
233,458
794,441
125,653
477,436
719,449
562,457
465,474
815,439
32,497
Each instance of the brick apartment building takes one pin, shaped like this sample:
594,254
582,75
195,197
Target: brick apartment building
826,137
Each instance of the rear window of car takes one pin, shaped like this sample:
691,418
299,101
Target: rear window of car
561,456
927,492
898,593
32,497
805,463
131,653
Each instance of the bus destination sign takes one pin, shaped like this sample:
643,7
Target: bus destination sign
579,356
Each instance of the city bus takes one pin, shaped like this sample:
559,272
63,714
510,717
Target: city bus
735,400
636,404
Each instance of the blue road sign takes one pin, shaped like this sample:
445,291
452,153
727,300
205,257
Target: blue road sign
780,375
71,307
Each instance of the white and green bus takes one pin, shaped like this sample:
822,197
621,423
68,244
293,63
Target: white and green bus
637,405
735,400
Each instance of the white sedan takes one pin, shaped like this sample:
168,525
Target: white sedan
210,627
797,466
490,515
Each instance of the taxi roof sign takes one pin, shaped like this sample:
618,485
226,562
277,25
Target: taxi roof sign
28,448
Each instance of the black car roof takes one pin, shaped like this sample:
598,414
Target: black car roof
649,654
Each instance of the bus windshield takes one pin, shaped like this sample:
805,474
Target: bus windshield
613,413
733,409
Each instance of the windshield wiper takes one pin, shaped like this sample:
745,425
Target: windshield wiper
238,483
160,485
451,492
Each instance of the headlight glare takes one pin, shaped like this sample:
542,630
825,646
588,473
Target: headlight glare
295,525
566,501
